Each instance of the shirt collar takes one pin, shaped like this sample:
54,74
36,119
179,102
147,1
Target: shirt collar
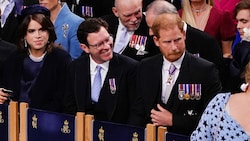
93,65
177,63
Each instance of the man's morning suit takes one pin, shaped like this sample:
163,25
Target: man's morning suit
143,30
186,112
112,105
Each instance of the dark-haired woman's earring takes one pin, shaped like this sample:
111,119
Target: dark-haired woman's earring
25,43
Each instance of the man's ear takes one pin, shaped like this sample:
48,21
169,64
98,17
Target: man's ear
84,48
114,9
156,40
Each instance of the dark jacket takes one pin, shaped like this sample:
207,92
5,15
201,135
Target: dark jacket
113,107
49,88
186,113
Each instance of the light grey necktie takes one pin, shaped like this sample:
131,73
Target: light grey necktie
119,47
169,83
97,84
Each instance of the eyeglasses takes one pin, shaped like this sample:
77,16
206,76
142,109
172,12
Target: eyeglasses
102,43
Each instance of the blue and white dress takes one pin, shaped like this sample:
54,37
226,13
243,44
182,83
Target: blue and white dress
216,124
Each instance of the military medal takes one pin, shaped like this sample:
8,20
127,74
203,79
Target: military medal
192,91
181,91
138,42
87,11
112,85
198,92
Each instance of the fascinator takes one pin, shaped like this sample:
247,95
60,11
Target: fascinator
35,9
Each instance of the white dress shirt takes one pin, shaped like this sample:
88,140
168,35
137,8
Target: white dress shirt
167,88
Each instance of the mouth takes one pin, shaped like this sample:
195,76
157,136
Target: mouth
38,42
105,51
43,4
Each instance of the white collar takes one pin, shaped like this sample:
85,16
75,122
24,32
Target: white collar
93,64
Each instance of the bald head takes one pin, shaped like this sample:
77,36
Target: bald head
156,8
119,3
129,12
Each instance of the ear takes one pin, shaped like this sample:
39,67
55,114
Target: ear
156,40
114,9
84,48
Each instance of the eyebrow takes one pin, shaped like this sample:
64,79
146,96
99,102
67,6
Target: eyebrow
127,15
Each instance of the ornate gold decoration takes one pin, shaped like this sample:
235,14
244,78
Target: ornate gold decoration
65,129
34,121
101,134
1,117
135,137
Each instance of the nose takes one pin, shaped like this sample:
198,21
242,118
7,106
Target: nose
173,46
38,34
134,18
239,25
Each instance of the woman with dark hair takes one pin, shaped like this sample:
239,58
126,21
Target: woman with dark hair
36,72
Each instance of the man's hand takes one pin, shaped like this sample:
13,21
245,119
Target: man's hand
162,117
3,96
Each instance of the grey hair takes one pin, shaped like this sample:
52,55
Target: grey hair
158,7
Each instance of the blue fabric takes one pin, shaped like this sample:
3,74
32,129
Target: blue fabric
217,125
236,40
97,84
50,126
116,132
30,73
4,122
66,25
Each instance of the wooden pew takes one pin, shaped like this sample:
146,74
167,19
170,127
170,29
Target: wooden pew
108,131
41,125
9,122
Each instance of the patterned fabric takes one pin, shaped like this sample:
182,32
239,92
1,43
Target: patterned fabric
217,125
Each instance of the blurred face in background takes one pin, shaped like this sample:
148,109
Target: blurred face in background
150,17
49,4
243,20
129,12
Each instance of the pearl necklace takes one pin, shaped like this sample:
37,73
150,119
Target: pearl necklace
198,11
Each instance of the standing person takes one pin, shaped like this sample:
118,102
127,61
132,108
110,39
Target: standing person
197,42
116,89
130,30
66,24
36,72
241,55
173,88
226,116
202,14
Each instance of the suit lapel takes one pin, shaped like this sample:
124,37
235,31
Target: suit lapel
182,79
107,97
83,88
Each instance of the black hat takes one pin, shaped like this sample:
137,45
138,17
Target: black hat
35,9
